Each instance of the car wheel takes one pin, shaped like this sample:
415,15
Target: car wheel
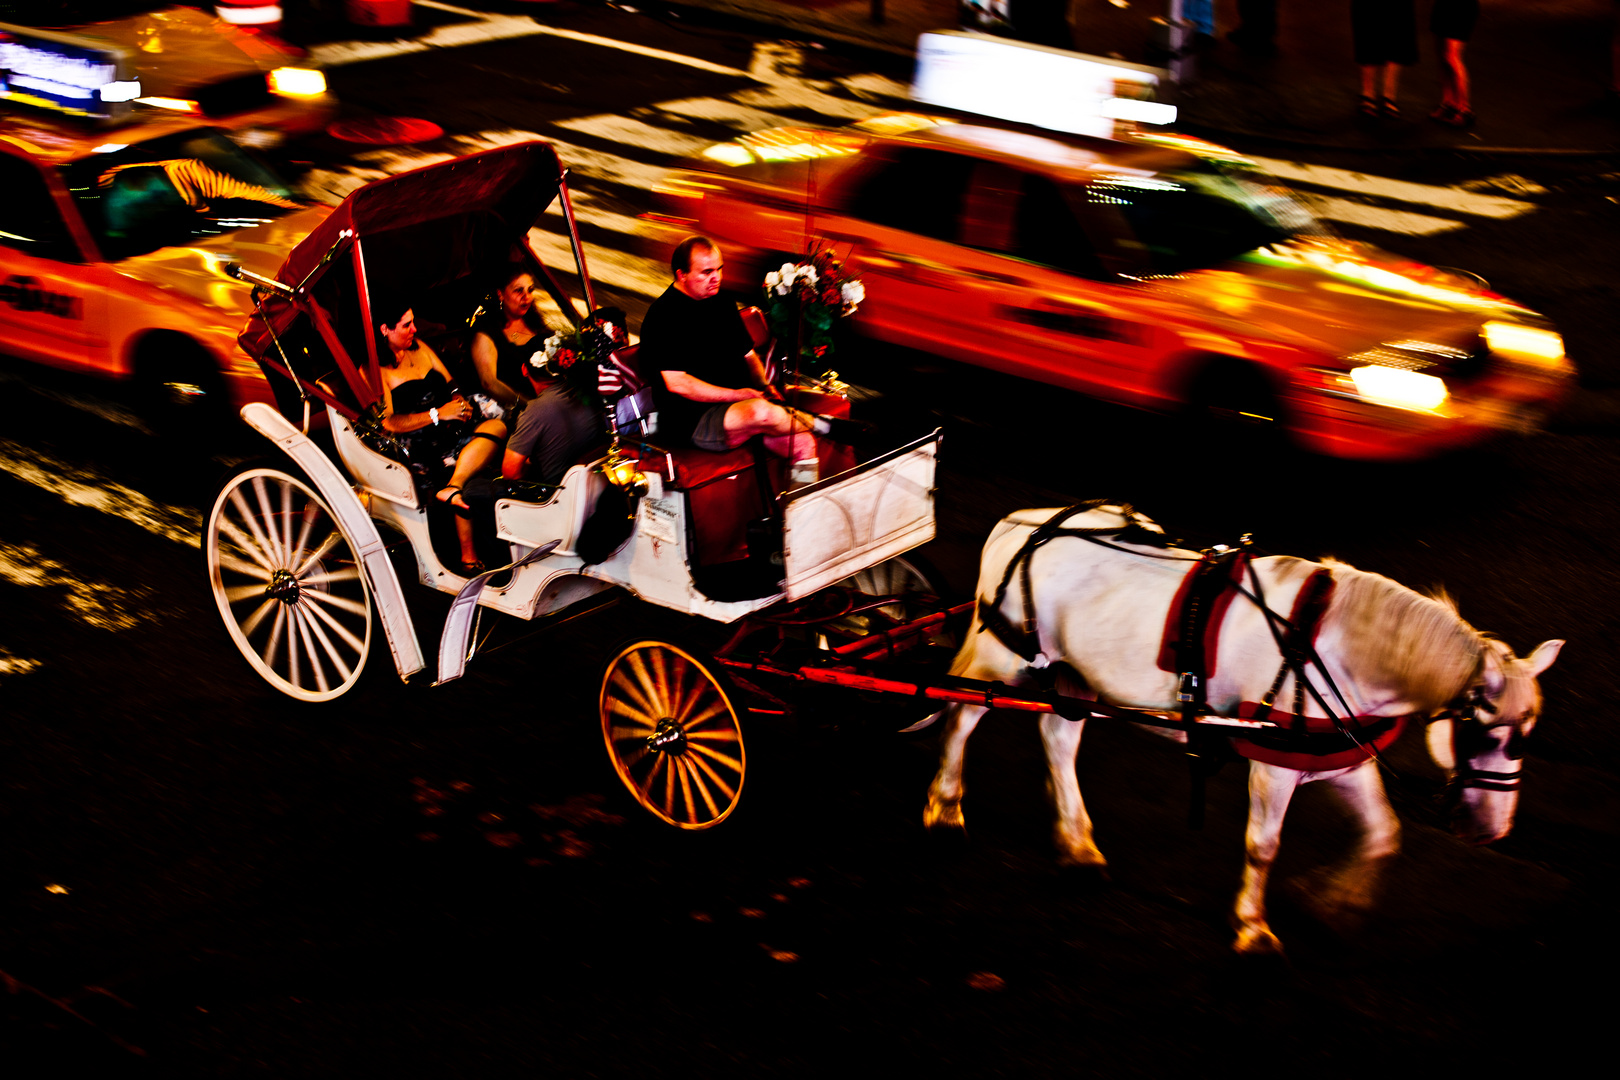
180,389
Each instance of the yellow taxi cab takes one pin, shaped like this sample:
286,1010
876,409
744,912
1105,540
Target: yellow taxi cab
116,231
195,63
1153,270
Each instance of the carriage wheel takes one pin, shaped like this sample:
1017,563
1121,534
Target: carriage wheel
672,734
910,581
288,584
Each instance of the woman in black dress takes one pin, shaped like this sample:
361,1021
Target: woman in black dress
1452,22
505,338
437,426
1385,33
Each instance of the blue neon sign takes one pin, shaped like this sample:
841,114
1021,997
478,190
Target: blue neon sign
67,73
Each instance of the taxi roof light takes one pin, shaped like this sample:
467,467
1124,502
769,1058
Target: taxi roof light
1400,388
297,82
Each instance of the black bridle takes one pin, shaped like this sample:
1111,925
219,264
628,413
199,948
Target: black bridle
1470,737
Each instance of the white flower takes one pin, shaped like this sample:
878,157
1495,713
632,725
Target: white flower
808,273
773,279
853,293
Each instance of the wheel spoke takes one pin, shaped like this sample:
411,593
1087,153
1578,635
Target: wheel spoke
332,540
683,771
274,546
734,764
237,593
342,603
277,628
302,623
256,547
314,625
236,565
295,552
639,682
706,769
251,623
338,628
350,573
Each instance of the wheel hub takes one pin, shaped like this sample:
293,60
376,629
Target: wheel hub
283,586
668,738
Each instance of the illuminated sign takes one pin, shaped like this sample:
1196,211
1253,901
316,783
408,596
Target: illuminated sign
1032,84
81,76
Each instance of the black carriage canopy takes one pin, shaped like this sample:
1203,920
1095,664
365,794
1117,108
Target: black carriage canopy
431,238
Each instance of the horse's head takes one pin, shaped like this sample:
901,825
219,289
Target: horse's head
1479,741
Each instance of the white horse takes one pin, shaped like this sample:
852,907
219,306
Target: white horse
1099,616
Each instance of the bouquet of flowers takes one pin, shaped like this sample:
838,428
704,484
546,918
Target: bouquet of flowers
803,300
573,356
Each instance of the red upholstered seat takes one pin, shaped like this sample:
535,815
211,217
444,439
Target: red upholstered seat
723,493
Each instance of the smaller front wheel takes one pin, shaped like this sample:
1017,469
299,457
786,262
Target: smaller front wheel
672,735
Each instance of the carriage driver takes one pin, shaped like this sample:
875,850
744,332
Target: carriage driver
712,389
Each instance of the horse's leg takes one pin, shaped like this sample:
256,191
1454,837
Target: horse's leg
1342,895
1072,832
945,793
1270,790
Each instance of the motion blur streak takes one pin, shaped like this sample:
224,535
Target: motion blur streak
94,603
79,487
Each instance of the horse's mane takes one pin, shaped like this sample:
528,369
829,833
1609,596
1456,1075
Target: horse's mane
1401,639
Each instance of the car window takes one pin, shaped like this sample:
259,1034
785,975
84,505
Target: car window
1188,219
919,191
1047,231
173,190
1026,215
29,220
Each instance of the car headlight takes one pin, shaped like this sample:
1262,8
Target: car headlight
297,82
1402,389
1525,342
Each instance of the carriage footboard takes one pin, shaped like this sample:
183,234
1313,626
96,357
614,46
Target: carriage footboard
859,518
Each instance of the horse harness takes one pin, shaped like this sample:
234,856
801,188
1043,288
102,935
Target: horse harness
1190,646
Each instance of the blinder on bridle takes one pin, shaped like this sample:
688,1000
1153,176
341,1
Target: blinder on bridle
1470,737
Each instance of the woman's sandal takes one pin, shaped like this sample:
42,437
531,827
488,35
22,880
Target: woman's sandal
460,509
1388,110
472,568
1369,106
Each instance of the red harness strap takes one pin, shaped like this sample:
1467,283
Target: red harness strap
1312,743
1214,591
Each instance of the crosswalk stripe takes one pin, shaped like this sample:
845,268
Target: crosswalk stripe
79,487
1350,212
1442,198
633,132
720,111
790,96
609,266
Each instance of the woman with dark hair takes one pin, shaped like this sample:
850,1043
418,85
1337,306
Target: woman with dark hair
437,426
505,338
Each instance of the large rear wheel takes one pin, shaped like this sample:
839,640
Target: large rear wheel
672,734
288,584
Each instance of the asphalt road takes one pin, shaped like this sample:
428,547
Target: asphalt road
423,881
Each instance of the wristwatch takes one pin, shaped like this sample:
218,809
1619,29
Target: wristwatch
434,413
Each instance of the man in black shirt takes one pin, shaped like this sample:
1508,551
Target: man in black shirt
711,388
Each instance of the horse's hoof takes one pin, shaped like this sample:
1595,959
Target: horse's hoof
1257,941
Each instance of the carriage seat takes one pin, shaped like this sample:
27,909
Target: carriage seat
724,492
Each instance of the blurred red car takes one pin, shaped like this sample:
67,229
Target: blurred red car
1159,271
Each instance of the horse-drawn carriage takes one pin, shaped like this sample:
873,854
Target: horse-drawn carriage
1068,616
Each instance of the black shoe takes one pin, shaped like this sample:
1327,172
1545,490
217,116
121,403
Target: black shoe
847,431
